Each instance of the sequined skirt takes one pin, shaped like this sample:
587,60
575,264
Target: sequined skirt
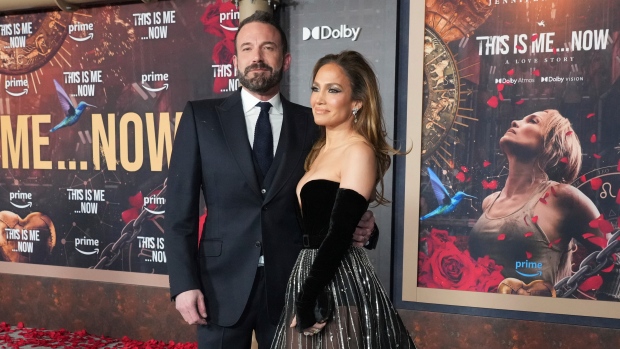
363,317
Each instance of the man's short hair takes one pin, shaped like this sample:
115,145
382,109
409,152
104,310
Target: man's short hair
266,18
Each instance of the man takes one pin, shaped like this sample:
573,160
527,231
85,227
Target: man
234,281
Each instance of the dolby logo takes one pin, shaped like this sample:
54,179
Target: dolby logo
551,79
325,32
506,81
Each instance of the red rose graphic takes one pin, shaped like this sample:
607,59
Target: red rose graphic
223,52
222,20
224,26
490,275
438,240
449,268
136,203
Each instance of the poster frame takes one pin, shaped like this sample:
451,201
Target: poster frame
64,272
406,293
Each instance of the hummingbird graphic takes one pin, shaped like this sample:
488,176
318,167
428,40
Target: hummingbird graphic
447,204
72,114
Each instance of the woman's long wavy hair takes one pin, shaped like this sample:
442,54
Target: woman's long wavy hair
370,123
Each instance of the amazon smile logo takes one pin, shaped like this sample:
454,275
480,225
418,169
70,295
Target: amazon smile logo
529,269
81,27
153,203
24,197
155,77
88,243
16,85
229,17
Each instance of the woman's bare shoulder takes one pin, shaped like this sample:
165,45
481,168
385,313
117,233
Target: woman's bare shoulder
489,200
359,147
572,199
358,168
564,191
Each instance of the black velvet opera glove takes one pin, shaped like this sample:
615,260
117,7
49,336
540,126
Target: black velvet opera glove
349,207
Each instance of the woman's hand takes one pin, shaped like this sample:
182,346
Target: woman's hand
310,331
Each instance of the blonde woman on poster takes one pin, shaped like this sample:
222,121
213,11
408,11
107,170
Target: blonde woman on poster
528,227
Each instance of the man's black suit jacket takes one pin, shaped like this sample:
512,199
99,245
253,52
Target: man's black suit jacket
212,153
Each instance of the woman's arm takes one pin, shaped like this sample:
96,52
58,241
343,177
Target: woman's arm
358,170
578,211
581,211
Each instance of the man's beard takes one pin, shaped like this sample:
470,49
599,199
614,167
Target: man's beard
260,83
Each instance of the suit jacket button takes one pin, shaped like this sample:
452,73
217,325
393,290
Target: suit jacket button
265,208
257,244
263,191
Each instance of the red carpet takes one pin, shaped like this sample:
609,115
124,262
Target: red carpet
13,337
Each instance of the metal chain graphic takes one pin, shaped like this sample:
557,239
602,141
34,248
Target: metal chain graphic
590,266
128,235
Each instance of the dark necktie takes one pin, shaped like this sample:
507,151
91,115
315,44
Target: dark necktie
263,138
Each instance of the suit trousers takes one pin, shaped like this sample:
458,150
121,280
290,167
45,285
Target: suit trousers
254,318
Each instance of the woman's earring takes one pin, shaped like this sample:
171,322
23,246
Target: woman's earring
355,115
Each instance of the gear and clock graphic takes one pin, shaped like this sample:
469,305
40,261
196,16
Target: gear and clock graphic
32,41
446,106
441,95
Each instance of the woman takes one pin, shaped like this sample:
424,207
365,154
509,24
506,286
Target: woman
528,226
334,299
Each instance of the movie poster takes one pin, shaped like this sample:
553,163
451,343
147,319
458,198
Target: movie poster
89,105
494,72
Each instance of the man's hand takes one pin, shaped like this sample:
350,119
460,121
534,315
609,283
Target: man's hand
191,305
364,229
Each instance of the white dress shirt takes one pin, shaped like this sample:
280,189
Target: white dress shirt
251,111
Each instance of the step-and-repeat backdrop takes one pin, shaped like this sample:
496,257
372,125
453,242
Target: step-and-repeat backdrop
90,100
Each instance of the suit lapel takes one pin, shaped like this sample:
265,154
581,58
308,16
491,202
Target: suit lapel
290,150
232,119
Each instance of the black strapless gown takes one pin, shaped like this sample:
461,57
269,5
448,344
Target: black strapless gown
363,316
